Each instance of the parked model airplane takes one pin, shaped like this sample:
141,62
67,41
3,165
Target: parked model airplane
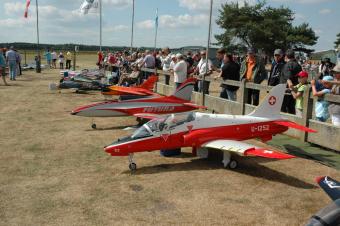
217,131
178,102
145,89
330,215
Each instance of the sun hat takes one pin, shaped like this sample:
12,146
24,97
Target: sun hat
327,78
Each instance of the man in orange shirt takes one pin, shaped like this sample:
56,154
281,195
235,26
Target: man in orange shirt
253,70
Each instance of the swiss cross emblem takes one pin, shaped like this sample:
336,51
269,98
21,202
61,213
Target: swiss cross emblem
165,136
272,100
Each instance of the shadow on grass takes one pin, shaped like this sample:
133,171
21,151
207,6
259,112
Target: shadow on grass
247,166
324,158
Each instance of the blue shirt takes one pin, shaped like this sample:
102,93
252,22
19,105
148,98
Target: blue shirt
11,56
321,105
48,56
2,60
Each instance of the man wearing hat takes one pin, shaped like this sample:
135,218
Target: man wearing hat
289,76
334,108
253,70
180,70
277,65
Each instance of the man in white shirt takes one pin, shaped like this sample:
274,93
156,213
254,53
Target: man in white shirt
180,70
201,70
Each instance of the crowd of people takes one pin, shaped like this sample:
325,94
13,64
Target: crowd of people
285,69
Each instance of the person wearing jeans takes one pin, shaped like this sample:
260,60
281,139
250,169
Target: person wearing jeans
230,71
11,59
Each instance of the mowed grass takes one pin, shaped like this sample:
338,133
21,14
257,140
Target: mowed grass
53,171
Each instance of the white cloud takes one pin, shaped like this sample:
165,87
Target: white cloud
204,5
299,16
180,21
116,28
118,3
325,11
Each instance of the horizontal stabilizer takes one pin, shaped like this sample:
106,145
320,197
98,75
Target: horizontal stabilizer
295,126
330,186
194,106
268,154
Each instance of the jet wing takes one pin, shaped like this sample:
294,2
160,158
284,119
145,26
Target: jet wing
194,105
330,186
244,149
295,126
131,91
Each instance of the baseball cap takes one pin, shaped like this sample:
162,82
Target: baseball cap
250,50
278,52
303,74
327,78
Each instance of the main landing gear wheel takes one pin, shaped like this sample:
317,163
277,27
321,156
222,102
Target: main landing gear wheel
133,167
94,126
233,164
132,164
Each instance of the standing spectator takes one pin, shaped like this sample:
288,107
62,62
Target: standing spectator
180,70
48,57
320,88
253,70
334,108
148,62
230,71
289,76
220,57
18,56
325,67
190,62
173,62
277,66
166,59
298,91
68,60
3,67
54,59
204,69
61,60
11,59
100,59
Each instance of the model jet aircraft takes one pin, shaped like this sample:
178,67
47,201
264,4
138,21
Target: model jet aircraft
330,215
178,102
217,131
145,89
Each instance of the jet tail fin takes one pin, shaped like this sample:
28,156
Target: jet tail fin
149,83
185,90
270,107
330,186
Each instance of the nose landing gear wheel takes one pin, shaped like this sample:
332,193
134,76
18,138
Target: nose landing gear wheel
94,126
133,167
233,164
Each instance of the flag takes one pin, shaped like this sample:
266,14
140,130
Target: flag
28,2
88,5
156,19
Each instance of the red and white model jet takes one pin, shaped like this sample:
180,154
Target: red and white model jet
178,102
218,131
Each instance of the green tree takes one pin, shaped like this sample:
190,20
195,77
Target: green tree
263,27
337,42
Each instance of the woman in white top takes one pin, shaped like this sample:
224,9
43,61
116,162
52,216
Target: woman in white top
180,70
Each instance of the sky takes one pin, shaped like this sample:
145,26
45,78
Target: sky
181,22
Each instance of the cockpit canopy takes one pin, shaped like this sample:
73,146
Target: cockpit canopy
163,124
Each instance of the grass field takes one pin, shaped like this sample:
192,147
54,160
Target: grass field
53,171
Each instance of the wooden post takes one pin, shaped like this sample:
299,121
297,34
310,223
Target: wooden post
307,111
243,97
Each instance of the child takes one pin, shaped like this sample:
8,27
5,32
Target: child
320,88
61,60
297,92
